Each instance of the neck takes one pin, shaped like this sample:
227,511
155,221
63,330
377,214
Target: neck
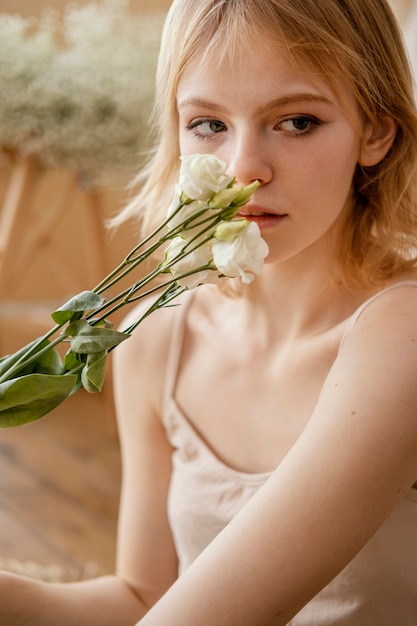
299,301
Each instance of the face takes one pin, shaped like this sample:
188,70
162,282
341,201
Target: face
283,127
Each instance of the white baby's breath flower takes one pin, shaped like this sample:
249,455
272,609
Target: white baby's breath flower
241,255
202,175
77,90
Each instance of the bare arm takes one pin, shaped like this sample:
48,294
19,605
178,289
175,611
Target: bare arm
106,601
147,563
356,458
146,555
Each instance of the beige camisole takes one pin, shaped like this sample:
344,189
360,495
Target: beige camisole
377,588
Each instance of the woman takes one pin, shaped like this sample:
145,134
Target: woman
269,438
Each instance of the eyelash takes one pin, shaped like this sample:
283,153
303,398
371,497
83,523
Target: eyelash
313,124
199,122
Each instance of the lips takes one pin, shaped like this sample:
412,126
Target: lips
264,219
256,210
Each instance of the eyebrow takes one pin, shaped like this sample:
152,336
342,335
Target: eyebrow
269,106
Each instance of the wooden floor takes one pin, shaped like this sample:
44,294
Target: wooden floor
59,488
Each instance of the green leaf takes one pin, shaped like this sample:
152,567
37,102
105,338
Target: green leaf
71,360
7,361
87,339
74,361
28,398
94,371
76,306
49,363
105,323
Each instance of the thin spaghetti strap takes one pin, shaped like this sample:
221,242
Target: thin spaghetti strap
357,313
175,349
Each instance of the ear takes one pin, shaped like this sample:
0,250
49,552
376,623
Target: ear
377,140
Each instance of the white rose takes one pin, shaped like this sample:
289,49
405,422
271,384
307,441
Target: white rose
175,201
178,217
202,175
241,255
201,257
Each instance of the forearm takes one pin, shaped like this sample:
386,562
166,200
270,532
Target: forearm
102,601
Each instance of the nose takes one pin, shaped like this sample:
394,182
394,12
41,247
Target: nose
248,159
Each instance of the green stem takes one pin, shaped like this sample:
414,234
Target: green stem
165,298
125,268
123,297
105,284
168,286
172,289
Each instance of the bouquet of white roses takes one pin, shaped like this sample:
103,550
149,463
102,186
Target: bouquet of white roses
204,242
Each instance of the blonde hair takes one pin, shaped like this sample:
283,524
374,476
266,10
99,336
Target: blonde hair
359,43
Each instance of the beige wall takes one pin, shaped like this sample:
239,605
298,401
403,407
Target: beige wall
401,8
35,7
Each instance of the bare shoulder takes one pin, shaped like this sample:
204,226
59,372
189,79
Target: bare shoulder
153,332
372,384
381,345
388,317
139,363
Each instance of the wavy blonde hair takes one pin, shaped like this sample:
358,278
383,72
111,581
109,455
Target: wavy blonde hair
359,43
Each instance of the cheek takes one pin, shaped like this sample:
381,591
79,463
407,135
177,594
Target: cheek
185,145
191,145
331,170
320,187
341,172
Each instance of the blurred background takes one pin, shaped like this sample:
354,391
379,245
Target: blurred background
76,90
76,84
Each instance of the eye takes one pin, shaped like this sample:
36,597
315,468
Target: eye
299,125
204,127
